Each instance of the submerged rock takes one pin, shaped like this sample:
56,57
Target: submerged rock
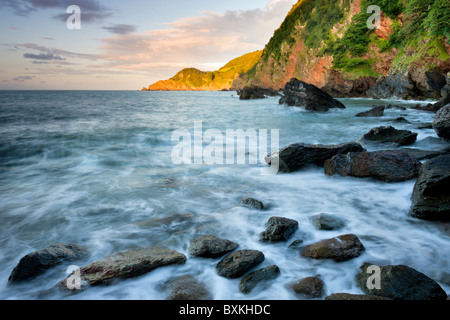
327,222
296,156
250,281
311,287
187,288
339,249
211,247
279,229
251,203
441,122
389,135
302,94
431,197
374,112
401,283
253,92
386,165
129,264
36,263
238,263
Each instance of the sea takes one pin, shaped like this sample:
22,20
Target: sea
117,170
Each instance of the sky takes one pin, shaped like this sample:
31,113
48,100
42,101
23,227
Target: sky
126,45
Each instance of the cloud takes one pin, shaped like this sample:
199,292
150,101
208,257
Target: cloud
121,29
49,53
23,78
42,56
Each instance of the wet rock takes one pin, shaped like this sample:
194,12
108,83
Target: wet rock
433,107
302,94
250,281
422,154
129,264
374,112
279,229
310,288
401,120
253,92
389,135
296,244
251,203
180,220
187,288
211,247
296,156
401,283
339,249
441,122
348,296
394,106
386,165
423,126
36,263
327,222
238,263
431,197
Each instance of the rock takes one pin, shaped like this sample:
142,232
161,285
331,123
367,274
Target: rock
348,296
386,165
401,120
211,247
250,281
441,122
253,92
36,263
433,107
302,94
423,126
431,197
311,287
296,156
389,135
394,106
328,222
180,220
279,229
422,154
251,203
187,288
401,283
129,264
296,244
236,264
374,112
339,249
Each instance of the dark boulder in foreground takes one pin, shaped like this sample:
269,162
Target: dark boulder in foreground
386,165
298,155
279,229
129,264
310,288
250,281
431,197
302,94
253,92
36,263
236,264
374,112
339,249
441,122
400,283
389,135
187,288
211,247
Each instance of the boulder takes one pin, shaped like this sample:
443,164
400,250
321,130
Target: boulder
253,92
389,135
238,263
327,222
129,264
251,203
211,247
401,120
36,263
302,94
296,156
250,281
374,112
348,297
394,106
420,154
386,165
187,288
310,288
339,249
441,122
434,107
279,229
431,197
400,283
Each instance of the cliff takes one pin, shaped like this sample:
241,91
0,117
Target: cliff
191,79
328,43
